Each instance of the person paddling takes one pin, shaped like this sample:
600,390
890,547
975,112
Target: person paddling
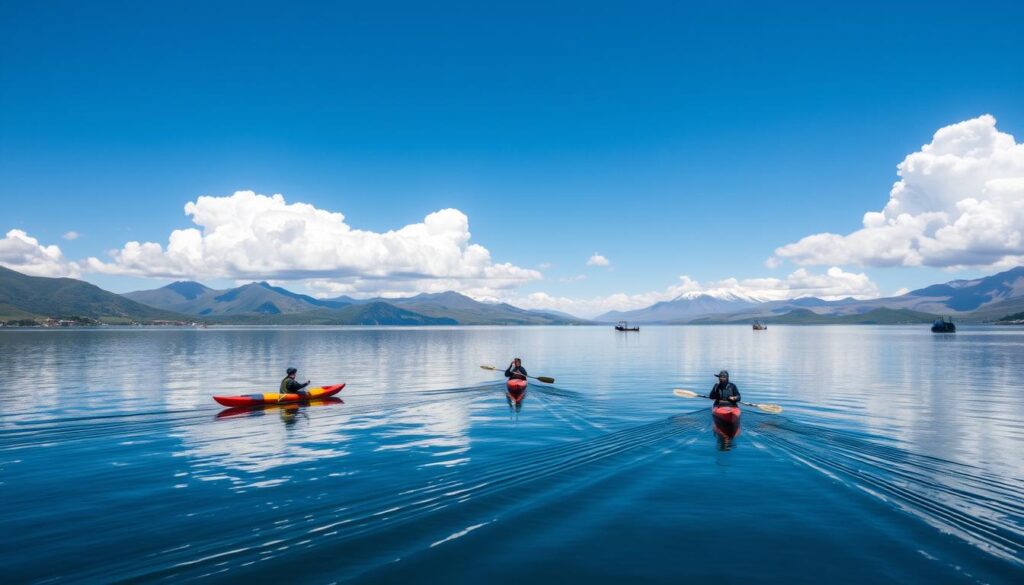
289,385
724,393
515,370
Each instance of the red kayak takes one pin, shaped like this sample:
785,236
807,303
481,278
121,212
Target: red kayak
515,386
275,398
729,415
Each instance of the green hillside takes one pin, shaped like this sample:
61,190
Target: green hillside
23,296
367,314
261,303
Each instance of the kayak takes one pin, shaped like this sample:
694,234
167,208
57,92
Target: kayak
726,414
275,398
515,385
260,409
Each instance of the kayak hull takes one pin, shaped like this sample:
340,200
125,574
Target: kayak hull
729,415
275,398
261,409
515,386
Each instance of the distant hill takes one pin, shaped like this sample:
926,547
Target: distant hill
261,298
971,295
880,316
996,311
981,299
1016,317
470,312
559,315
683,308
23,296
376,313
262,303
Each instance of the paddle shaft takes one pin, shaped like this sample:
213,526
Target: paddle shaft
770,408
544,379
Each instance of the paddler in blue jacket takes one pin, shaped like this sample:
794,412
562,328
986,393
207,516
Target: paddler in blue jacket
289,385
515,370
724,392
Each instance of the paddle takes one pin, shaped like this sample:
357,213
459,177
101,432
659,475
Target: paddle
544,379
769,408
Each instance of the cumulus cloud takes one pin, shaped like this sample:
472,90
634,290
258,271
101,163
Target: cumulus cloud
597,260
833,284
252,236
959,203
70,236
20,251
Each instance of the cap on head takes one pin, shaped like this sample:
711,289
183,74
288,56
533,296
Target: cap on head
722,374
291,371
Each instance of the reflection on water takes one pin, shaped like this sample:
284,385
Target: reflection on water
885,461
515,400
725,433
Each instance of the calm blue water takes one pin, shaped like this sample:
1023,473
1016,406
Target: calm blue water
898,457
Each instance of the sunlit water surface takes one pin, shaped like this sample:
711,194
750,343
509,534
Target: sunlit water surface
898,457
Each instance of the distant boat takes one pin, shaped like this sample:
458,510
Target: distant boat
624,326
943,325
760,325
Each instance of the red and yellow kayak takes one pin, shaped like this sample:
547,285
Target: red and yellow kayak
261,409
275,398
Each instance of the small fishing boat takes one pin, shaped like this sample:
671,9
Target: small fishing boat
624,326
943,325
760,325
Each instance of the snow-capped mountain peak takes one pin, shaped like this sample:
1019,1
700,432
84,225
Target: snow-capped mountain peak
719,294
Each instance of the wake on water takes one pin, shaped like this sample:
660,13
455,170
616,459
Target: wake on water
374,529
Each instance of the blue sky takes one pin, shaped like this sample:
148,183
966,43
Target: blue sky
671,138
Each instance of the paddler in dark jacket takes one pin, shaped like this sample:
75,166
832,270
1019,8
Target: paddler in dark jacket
724,392
290,386
516,370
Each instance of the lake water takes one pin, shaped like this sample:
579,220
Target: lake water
899,457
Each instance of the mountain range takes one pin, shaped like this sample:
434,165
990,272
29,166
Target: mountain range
263,303
991,298
982,299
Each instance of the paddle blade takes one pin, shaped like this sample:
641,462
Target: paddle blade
685,393
546,379
770,408
492,368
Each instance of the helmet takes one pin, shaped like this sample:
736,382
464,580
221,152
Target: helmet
291,371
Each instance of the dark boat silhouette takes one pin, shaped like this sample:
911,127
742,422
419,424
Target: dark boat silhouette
943,325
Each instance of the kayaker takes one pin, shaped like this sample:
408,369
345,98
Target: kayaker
724,392
515,370
290,386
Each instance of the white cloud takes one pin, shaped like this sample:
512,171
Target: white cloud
833,284
597,260
959,202
20,251
252,236
70,236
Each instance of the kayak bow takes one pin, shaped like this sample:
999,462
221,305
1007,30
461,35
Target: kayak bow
726,414
275,398
515,385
